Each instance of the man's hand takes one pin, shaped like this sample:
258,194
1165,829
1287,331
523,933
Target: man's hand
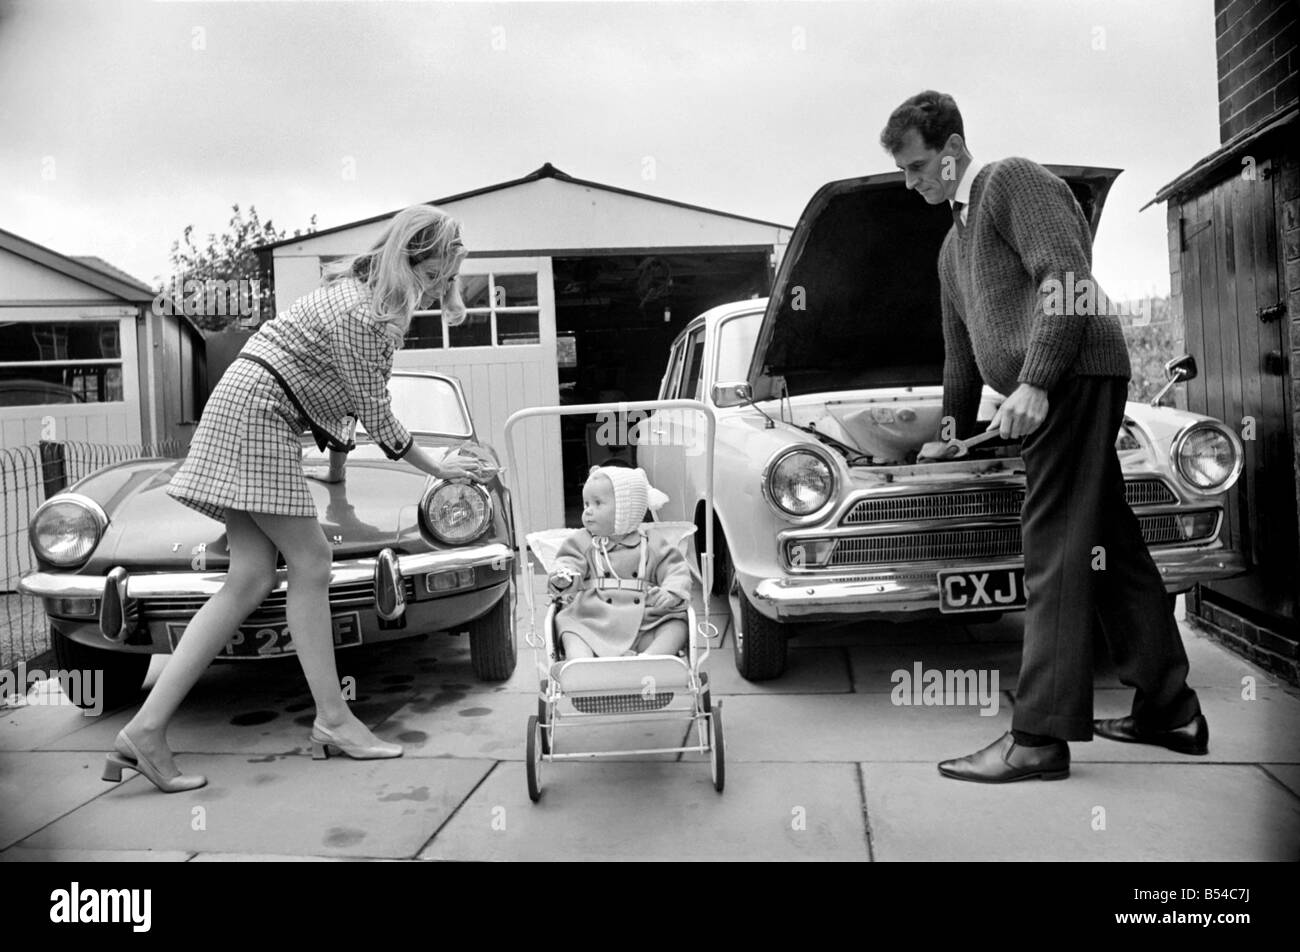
1021,413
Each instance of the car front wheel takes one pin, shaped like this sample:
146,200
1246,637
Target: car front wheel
492,648
123,672
760,643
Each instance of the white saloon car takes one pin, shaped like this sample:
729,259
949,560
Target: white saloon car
823,395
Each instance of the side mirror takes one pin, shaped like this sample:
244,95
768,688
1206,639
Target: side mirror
1179,369
730,394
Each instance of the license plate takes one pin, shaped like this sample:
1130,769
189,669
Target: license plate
982,591
254,640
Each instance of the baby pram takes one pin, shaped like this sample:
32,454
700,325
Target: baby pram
585,692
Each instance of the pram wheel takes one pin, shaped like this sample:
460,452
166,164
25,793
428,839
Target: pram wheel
541,717
533,762
717,752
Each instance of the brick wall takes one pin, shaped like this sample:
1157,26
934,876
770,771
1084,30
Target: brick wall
1259,60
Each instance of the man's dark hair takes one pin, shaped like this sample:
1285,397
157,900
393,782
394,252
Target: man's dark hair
933,115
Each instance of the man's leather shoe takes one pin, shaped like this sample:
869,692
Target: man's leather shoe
1192,738
1005,761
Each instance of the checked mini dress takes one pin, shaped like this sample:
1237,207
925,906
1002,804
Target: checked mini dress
322,361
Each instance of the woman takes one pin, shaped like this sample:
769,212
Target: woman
328,357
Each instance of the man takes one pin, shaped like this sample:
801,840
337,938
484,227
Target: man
1017,229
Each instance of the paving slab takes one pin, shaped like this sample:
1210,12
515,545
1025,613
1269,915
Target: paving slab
495,725
22,854
1165,812
808,671
660,812
876,668
846,728
267,858
232,719
1265,730
865,632
291,806
33,725
38,788
1286,774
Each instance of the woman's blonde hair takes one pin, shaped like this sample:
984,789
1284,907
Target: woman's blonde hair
415,235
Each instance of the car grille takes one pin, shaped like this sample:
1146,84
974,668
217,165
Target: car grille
351,595
979,503
991,542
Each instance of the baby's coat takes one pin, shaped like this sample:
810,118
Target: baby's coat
609,620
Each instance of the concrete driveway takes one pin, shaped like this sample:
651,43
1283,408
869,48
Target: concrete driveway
821,765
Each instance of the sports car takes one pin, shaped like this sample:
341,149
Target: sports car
122,567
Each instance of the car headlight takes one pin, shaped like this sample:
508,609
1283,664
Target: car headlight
1207,458
66,529
800,483
457,512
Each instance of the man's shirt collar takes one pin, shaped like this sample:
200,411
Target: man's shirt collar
964,186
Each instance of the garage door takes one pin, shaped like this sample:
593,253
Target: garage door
504,356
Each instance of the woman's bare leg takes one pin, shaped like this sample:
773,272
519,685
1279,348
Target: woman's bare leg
248,581
309,558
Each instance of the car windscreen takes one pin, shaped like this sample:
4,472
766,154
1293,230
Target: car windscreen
736,337
427,405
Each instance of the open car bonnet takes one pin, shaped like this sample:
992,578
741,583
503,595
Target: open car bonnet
855,303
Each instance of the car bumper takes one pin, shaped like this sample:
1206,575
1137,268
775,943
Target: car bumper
144,612
902,590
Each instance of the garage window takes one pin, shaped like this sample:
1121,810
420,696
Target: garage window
502,312
60,363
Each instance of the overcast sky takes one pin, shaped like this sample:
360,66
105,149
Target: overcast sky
123,121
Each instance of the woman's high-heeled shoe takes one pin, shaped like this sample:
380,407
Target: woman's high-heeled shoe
135,760
324,740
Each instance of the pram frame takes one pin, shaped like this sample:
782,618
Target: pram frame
703,714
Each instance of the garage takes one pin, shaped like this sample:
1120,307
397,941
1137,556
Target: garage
575,291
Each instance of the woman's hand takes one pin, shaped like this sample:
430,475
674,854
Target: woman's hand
451,466
463,467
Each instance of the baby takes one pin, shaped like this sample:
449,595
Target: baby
630,588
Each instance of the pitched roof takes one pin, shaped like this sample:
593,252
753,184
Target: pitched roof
113,282
99,264
546,171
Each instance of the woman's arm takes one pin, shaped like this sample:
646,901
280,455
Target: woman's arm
338,466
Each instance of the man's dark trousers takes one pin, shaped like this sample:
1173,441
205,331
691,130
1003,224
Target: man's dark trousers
1075,521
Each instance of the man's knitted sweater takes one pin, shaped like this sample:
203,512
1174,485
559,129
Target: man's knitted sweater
1012,281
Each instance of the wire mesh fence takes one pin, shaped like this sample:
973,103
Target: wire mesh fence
29,475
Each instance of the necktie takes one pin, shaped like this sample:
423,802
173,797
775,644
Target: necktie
957,208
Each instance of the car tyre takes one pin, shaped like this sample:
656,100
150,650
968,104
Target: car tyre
492,647
721,561
760,643
123,672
